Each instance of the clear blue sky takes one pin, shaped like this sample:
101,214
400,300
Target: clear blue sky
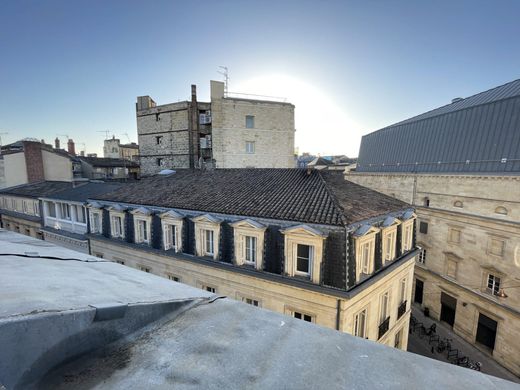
76,67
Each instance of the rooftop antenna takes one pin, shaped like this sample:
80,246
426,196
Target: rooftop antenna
107,133
128,137
63,135
225,73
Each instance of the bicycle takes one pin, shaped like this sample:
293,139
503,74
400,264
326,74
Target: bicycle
444,345
474,365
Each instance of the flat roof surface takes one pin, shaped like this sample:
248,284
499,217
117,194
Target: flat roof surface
214,343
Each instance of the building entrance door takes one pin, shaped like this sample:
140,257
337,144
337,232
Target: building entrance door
419,286
486,331
448,308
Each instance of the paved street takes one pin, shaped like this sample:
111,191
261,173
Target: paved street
421,347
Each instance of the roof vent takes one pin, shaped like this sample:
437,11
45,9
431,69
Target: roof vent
457,99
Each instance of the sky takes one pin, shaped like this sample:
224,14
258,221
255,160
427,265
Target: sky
75,68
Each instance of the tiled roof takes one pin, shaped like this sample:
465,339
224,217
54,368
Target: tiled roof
285,194
83,192
36,190
109,162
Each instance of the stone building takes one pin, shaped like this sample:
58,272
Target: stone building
459,165
227,132
105,168
304,243
113,148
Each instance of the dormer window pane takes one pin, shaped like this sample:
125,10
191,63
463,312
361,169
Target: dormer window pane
250,249
303,258
208,242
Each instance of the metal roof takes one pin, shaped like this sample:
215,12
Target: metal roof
480,133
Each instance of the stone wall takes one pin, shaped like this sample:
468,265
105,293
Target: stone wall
469,230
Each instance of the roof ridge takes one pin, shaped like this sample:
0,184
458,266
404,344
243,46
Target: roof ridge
334,200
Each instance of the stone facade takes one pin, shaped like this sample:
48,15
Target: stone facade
190,134
20,215
468,229
329,310
113,148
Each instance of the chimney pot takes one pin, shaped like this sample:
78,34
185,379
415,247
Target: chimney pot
57,143
71,147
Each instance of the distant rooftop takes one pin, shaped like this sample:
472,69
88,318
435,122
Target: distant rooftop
70,320
107,162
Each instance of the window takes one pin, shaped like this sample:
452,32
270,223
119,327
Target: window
458,204
454,236
250,122
25,207
158,161
142,233
100,255
250,147
250,301
302,316
493,284
170,237
120,262
360,324
51,206
157,119
407,235
426,202
398,339
303,259
158,139
209,289
389,246
95,222
250,247
65,211
423,227
366,252
422,256
451,268
208,242
13,204
402,290
80,213
384,303
501,210
116,226
173,278
144,269
36,208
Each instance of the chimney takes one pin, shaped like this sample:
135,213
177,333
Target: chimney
193,93
42,141
70,147
33,161
82,153
57,143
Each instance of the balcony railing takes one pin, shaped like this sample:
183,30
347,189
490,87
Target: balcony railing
383,327
401,310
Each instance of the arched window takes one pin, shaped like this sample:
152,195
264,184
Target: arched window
426,202
501,210
457,203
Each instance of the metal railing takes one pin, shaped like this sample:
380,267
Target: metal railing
401,309
383,327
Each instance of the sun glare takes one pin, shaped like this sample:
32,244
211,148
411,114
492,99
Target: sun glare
318,119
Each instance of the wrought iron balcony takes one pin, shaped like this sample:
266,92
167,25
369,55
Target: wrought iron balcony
383,327
402,309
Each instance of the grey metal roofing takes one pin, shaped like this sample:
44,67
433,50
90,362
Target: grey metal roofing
111,326
36,190
480,133
82,192
284,194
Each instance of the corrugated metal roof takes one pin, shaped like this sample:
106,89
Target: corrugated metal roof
478,134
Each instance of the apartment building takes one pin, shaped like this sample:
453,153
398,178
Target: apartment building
459,166
113,148
228,132
304,243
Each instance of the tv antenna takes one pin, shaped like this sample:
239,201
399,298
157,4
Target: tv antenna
128,137
107,132
63,135
225,73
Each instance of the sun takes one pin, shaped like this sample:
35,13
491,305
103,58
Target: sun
322,126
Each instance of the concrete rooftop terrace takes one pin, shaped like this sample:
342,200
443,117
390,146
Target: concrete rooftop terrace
75,321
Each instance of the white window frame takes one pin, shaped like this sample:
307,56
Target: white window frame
421,258
51,205
113,217
142,229
250,248
357,330
310,260
248,228
172,220
36,208
65,207
389,244
93,212
204,223
365,253
384,306
494,284
407,235
403,285
305,235
292,312
208,242
252,119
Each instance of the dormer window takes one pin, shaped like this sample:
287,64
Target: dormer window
365,240
408,219
303,252
117,221
249,242
207,231
142,223
96,217
389,228
172,223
